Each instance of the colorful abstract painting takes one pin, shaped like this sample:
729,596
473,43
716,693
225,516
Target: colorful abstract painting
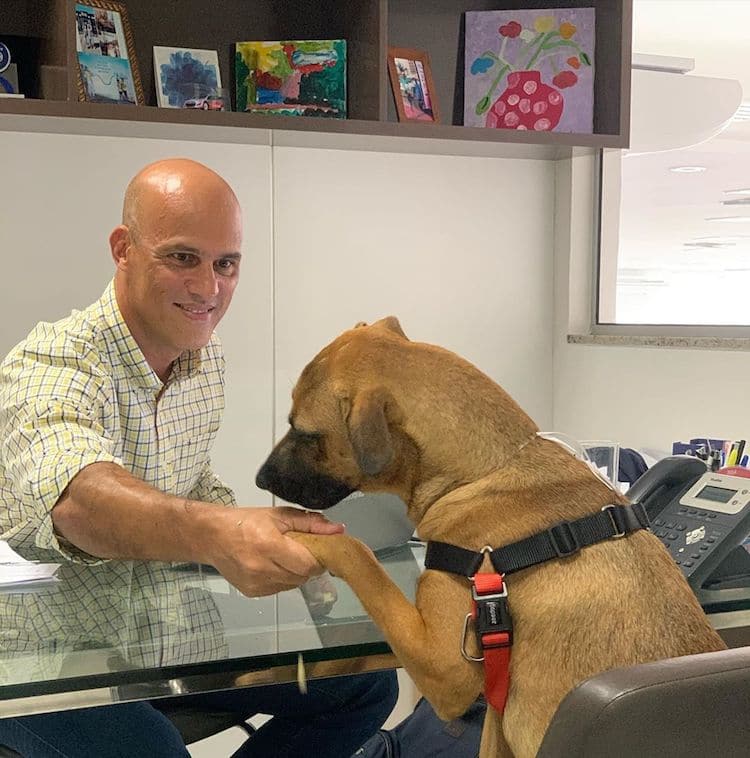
530,69
292,78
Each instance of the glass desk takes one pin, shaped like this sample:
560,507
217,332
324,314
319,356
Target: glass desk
125,631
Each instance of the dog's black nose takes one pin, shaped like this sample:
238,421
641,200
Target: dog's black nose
262,478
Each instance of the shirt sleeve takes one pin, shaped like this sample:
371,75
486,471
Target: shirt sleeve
51,427
210,489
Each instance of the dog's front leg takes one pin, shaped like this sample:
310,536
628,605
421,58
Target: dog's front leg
493,740
425,638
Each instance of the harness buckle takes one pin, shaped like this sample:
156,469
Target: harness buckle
494,596
564,540
492,622
619,532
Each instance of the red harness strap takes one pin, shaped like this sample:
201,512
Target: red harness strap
494,631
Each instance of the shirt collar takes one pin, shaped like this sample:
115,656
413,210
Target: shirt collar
123,348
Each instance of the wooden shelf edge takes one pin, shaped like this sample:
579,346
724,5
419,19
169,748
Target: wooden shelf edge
82,118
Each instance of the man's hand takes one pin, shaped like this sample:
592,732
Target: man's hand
251,550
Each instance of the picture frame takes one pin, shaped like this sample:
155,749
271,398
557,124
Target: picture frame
304,78
107,66
412,84
188,78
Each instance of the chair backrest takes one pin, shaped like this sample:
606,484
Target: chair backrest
695,705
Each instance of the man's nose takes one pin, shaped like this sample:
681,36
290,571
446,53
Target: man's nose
204,281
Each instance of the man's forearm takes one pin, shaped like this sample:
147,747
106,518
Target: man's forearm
108,513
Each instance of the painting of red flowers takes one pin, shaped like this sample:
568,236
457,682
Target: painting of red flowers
530,70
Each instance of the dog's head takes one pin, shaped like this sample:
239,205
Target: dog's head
375,411
341,421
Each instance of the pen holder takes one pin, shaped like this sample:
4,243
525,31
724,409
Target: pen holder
605,455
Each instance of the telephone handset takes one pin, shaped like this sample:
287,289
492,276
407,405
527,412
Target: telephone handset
702,517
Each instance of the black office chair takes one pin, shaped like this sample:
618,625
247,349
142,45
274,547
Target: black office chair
694,705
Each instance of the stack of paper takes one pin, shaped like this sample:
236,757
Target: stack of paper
15,570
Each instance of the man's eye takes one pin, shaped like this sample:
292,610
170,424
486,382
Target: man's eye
181,257
226,265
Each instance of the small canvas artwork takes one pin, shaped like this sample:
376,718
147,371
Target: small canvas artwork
105,54
188,78
530,69
292,78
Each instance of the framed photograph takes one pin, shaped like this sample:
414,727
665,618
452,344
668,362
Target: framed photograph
413,88
188,78
107,66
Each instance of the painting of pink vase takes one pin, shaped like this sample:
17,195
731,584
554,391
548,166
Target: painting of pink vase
526,103
530,70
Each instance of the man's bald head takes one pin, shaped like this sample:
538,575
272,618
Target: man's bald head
174,187
177,257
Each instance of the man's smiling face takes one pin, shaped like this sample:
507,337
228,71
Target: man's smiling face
179,268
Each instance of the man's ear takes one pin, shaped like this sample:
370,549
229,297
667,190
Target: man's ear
119,241
366,420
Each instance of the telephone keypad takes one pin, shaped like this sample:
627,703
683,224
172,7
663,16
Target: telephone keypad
675,530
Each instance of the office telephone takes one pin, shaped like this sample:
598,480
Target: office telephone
702,518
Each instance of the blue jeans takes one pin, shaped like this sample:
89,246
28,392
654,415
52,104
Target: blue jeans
333,720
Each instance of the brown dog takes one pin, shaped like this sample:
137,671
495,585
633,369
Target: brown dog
375,411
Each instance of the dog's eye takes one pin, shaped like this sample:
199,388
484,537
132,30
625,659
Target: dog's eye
305,436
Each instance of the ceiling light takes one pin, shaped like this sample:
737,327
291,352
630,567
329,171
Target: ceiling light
687,169
708,245
723,238
744,191
731,219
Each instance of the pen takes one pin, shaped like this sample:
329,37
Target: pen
732,459
740,450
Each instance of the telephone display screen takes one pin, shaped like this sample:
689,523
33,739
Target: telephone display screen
717,494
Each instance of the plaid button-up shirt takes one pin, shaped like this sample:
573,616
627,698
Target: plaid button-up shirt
80,391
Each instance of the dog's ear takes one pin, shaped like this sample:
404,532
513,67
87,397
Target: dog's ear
392,325
367,423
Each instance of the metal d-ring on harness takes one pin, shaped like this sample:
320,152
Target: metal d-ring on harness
490,611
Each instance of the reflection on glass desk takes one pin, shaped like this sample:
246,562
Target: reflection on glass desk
133,630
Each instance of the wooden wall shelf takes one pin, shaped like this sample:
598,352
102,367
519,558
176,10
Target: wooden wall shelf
369,26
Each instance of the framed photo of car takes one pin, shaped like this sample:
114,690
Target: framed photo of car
189,78
107,66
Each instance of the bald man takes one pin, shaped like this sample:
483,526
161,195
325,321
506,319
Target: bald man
107,419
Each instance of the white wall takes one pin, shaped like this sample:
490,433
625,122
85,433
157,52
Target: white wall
60,197
641,397
645,397
459,247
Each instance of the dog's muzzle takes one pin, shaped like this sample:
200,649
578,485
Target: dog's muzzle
311,490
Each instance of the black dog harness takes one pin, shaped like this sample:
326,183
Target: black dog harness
490,607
